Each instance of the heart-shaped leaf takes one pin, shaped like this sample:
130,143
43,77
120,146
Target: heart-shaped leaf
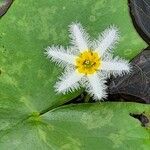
104,126
135,86
140,10
30,26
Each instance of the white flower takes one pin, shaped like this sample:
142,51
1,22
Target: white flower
87,63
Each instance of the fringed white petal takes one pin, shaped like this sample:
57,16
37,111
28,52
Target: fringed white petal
68,82
107,40
61,56
116,67
96,87
80,39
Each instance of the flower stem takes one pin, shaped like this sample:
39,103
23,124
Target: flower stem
87,98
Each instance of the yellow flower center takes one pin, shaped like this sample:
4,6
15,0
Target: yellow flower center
88,62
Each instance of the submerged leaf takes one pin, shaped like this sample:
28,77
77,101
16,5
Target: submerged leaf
4,6
140,11
136,85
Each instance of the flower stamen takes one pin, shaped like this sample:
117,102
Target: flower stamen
88,62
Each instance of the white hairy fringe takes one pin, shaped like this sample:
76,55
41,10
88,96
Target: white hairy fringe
60,56
107,40
79,37
73,50
95,87
121,67
68,81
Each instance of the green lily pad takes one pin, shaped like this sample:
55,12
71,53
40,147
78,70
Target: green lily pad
27,77
86,126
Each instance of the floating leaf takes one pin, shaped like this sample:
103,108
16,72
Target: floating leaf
140,10
104,126
28,27
135,86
